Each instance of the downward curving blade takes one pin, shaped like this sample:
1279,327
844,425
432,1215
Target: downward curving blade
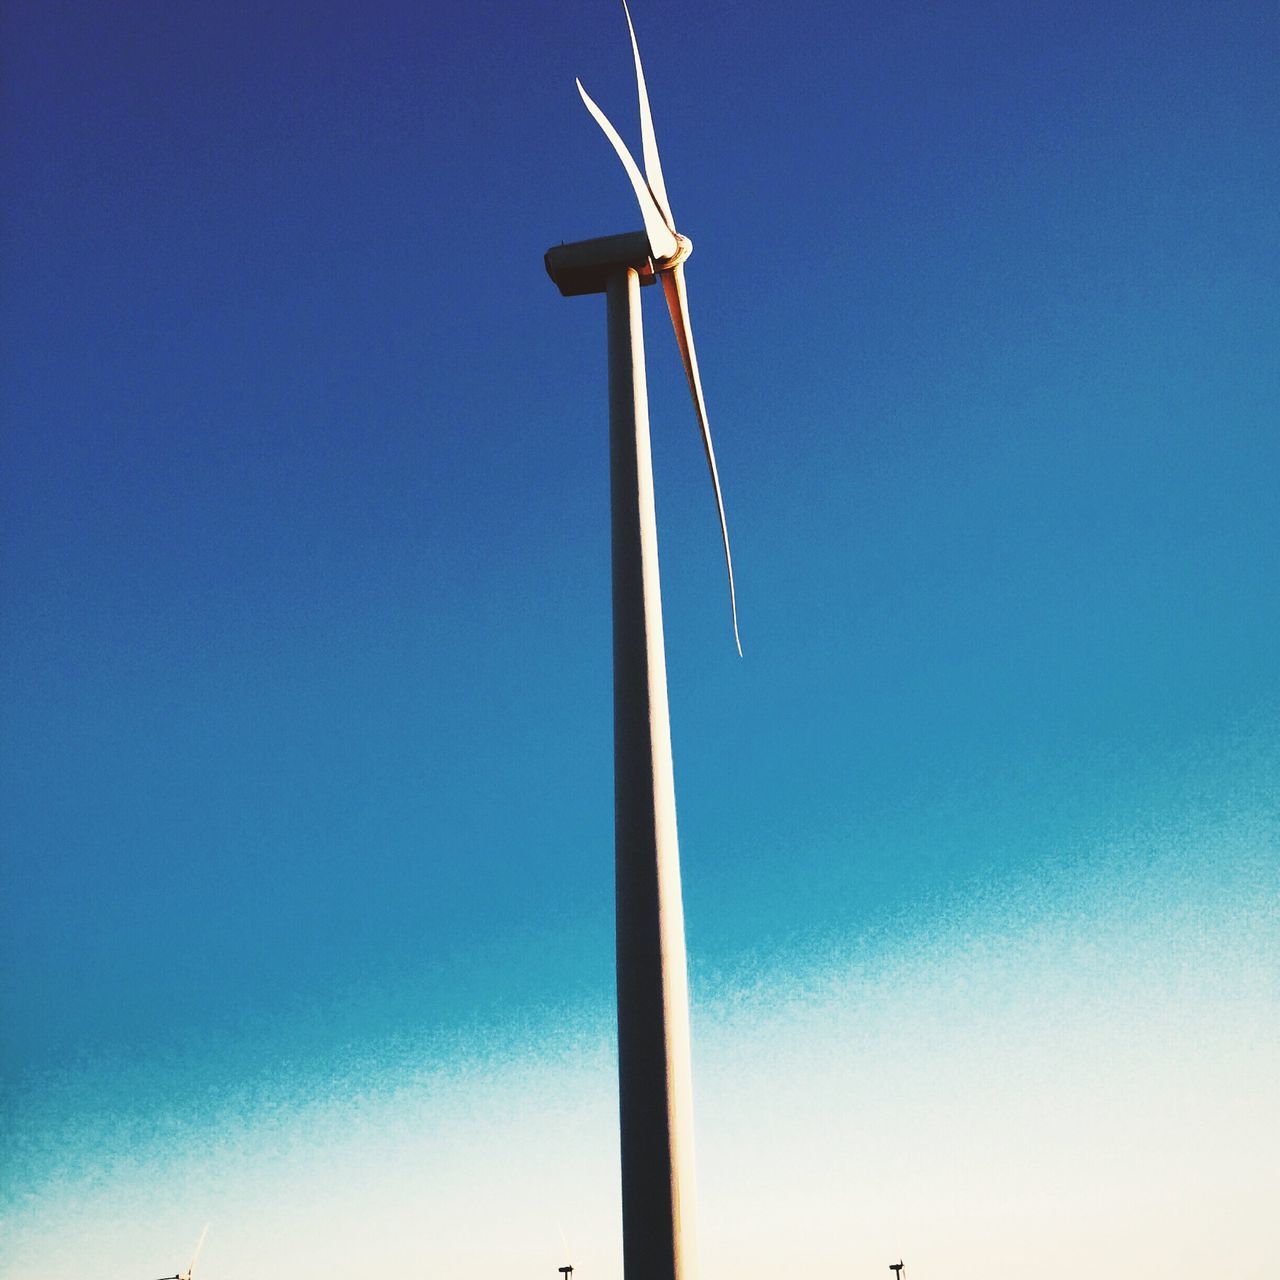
678,305
652,165
662,244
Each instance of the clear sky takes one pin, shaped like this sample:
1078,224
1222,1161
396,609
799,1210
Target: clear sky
305,684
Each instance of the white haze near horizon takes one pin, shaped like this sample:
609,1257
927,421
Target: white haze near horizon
1076,1075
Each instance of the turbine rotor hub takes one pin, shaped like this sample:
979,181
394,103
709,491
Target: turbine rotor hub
684,247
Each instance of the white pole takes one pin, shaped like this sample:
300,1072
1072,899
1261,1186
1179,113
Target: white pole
655,1086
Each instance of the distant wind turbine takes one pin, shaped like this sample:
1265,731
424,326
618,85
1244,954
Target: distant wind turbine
654,1075
186,1275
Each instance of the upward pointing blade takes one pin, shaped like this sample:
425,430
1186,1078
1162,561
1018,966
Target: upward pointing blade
678,305
652,165
662,244
196,1255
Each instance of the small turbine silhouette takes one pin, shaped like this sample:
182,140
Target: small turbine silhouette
186,1275
669,249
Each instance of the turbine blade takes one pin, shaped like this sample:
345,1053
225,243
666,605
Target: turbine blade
678,305
662,244
652,165
196,1255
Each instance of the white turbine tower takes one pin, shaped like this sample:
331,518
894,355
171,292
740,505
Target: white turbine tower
654,1081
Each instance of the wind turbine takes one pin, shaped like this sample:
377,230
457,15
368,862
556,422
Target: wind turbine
186,1275
654,1076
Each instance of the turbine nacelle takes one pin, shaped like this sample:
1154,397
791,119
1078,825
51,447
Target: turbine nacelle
586,265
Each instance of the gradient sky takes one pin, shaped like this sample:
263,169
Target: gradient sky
306,759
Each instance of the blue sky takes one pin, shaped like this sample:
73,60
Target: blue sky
306,772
